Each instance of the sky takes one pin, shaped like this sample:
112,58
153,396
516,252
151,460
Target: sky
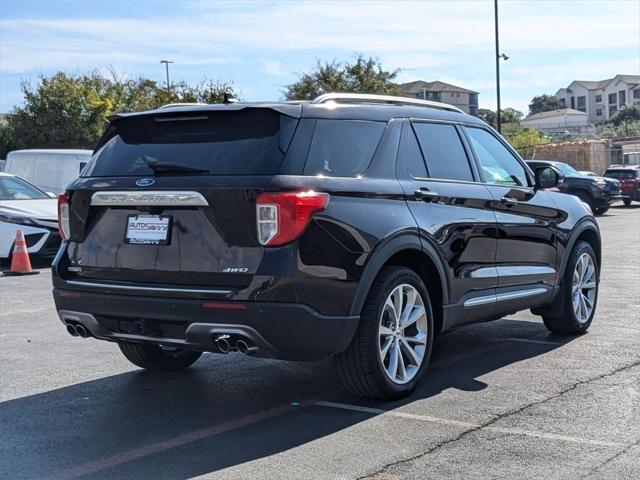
263,46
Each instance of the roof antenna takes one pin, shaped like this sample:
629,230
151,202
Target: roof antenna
229,98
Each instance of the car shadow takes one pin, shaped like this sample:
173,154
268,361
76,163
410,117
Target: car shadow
139,424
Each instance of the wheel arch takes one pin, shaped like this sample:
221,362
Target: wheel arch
586,231
407,250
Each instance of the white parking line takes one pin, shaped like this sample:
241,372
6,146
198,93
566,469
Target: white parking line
468,425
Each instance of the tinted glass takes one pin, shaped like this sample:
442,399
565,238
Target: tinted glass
409,154
217,143
443,151
567,170
498,164
342,148
621,174
12,188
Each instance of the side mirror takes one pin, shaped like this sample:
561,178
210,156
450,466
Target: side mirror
547,177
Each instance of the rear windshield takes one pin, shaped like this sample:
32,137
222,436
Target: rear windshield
621,174
245,142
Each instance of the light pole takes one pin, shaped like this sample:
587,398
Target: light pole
166,64
498,57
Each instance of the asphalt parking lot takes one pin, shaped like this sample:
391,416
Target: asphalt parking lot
504,399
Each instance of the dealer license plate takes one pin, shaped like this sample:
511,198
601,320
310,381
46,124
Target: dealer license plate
148,229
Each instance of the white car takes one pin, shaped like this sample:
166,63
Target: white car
25,206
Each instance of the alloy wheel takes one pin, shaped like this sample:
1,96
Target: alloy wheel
584,287
402,334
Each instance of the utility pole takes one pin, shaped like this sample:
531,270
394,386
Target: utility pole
498,116
166,64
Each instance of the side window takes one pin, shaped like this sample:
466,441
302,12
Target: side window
342,148
498,164
409,154
443,151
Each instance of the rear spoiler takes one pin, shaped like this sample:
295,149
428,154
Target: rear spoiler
289,109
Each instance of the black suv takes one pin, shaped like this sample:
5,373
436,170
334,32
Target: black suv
357,226
597,192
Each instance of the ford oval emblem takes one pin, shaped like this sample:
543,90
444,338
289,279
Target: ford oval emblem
145,182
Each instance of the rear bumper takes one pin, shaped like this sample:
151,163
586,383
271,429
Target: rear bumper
284,329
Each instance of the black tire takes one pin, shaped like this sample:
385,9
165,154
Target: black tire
361,369
586,198
601,210
153,357
562,319
626,203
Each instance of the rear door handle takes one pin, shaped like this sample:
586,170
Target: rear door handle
426,195
508,201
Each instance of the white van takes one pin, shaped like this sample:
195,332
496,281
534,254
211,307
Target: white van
51,170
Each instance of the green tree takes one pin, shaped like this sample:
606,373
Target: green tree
543,103
488,116
365,75
71,111
626,115
511,115
524,140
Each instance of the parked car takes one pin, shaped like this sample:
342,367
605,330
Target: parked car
597,192
51,170
629,178
356,226
25,206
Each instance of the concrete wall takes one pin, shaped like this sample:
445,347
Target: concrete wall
591,155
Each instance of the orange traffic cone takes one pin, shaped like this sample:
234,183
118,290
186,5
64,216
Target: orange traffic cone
20,263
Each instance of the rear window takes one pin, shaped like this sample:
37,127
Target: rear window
245,142
443,151
621,174
342,148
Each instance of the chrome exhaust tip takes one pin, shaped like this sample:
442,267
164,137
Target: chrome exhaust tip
82,331
243,347
71,329
222,343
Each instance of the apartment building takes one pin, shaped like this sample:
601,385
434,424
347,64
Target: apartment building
601,99
462,98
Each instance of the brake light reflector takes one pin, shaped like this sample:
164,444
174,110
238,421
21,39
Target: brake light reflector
282,217
63,217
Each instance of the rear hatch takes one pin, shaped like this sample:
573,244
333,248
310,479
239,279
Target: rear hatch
627,178
169,197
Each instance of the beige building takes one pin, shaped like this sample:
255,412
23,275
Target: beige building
462,98
601,99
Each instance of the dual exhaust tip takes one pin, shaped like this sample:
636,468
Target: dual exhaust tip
78,330
225,344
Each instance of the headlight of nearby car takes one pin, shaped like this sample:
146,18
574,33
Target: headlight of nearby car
17,220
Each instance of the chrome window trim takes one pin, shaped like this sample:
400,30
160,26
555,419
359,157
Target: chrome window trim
163,198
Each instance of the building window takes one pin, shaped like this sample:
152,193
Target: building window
582,103
622,97
473,110
573,102
562,103
613,99
473,98
636,93
598,98
612,110
598,112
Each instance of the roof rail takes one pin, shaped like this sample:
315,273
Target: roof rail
177,105
383,99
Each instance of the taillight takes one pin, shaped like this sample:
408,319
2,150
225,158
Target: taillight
282,217
63,217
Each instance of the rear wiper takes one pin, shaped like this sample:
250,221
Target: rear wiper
160,168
